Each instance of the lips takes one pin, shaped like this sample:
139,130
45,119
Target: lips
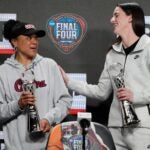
114,25
33,47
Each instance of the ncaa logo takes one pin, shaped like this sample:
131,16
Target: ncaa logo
66,31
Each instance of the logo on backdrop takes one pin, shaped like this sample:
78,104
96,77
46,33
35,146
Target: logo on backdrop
66,30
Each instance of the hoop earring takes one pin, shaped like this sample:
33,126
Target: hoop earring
15,48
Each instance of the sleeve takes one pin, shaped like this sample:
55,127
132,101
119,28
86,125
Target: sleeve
100,91
62,99
142,94
141,97
8,109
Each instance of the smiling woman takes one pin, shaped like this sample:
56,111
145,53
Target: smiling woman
130,130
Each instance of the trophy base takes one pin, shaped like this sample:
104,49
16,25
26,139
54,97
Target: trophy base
134,123
36,134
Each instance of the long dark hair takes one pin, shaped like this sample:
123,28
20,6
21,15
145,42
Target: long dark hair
138,21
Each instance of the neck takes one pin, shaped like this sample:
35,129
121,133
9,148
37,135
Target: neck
127,42
24,60
129,37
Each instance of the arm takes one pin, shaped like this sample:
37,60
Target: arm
100,91
62,100
8,109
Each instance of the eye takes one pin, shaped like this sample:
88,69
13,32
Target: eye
116,15
27,38
30,37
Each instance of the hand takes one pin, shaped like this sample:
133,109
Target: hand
125,94
64,75
26,99
44,125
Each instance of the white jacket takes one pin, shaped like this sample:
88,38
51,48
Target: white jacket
137,78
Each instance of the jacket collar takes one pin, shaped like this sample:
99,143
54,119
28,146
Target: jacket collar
140,45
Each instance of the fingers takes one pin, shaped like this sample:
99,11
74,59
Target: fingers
124,94
64,75
26,99
62,71
44,125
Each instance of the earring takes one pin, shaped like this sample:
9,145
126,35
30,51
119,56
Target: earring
15,48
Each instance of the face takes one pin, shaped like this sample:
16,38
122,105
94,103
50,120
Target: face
120,21
27,46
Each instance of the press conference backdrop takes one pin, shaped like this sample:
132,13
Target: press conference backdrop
88,33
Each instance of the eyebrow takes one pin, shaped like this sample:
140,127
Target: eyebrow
116,13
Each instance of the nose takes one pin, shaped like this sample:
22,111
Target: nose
112,19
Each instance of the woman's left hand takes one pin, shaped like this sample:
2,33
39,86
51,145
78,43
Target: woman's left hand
44,125
124,94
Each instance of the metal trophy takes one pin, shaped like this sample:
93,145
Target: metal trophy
28,84
129,115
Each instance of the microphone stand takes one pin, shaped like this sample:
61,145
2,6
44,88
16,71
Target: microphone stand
84,132
84,123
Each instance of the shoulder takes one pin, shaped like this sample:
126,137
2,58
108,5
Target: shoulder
4,67
48,61
5,71
144,41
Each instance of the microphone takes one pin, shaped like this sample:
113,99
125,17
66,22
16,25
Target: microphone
84,120
84,124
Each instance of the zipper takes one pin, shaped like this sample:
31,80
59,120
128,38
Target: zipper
124,64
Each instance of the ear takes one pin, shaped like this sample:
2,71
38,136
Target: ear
130,18
14,42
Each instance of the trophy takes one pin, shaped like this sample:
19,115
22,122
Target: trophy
129,115
28,84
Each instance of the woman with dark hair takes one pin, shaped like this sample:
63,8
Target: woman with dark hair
138,22
126,73
33,95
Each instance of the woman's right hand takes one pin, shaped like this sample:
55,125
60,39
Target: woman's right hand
26,98
64,75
